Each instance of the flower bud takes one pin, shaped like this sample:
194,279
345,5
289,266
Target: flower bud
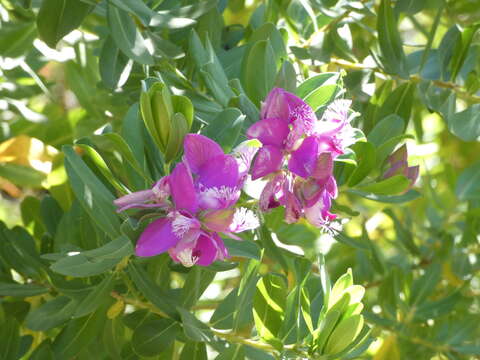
167,117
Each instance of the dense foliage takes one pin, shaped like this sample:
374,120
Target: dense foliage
96,98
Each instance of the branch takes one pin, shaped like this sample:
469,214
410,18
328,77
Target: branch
459,90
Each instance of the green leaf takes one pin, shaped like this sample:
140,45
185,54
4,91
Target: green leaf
326,327
244,300
79,333
21,290
404,235
394,59
391,186
193,328
223,316
194,351
96,297
102,166
269,306
313,83
94,197
287,77
210,68
386,129
154,336
114,142
366,160
466,124
9,332
51,314
126,35
468,183
51,213
234,352
462,48
195,285
344,334
43,351
400,102
225,128
245,248
22,175
392,199
424,286
16,38
56,18
96,261
113,64
150,290
259,70
81,266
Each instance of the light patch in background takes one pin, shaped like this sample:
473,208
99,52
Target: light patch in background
374,222
77,35
324,243
62,55
254,188
292,248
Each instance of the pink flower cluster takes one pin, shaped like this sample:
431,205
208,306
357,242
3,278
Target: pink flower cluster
297,155
198,198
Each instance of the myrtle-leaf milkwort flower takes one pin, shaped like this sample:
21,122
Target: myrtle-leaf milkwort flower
297,155
198,199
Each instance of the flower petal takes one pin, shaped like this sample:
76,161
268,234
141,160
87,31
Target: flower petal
199,150
243,220
319,215
135,199
182,189
269,159
157,238
216,198
275,105
219,171
206,250
271,131
303,160
412,173
323,166
244,154
272,192
218,220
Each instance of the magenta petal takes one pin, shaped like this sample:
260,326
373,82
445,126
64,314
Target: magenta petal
272,131
219,171
199,150
412,173
206,250
398,168
182,189
135,199
293,208
323,166
303,160
269,159
272,192
318,215
157,238
244,154
275,105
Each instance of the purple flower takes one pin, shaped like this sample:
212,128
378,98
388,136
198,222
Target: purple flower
298,153
155,197
202,191
399,166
